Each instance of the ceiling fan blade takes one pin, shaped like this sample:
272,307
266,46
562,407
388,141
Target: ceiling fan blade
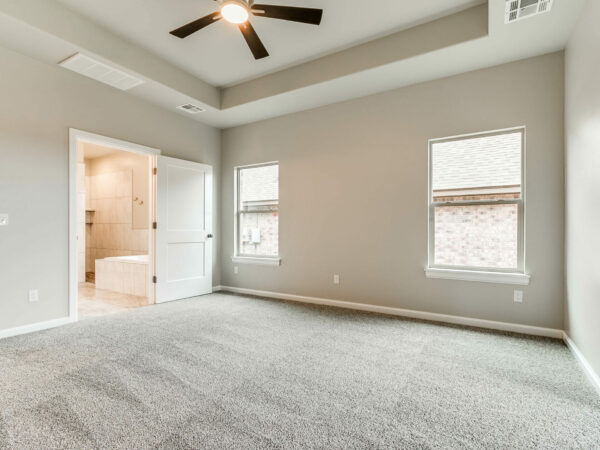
196,25
305,15
256,46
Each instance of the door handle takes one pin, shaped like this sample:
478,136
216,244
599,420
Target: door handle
209,236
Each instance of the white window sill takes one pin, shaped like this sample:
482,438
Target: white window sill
480,276
261,261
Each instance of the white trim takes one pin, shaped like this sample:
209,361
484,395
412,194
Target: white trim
256,260
422,315
585,365
477,191
106,141
24,329
478,133
76,136
480,276
217,288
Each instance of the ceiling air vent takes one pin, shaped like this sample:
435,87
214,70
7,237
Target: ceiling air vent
522,9
102,72
191,109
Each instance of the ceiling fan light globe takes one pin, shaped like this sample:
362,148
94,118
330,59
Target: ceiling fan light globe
234,12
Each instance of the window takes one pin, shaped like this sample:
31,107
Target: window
476,207
257,213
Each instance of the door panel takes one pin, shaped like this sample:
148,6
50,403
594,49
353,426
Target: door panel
184,221
185,186
185,261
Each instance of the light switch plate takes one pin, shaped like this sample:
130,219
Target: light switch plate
336,279
3,220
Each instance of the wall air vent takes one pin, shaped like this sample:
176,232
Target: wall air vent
522,9
99,71
191,109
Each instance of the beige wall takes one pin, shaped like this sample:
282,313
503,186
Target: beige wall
582,307
353,193
39,104
140,167
117,190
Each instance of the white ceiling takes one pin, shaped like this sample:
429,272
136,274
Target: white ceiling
218,53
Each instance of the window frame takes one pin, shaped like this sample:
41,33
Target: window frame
238,257
479,273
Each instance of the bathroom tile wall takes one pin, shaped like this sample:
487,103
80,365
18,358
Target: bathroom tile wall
110,205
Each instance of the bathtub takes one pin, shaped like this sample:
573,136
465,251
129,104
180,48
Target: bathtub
124,274
137,259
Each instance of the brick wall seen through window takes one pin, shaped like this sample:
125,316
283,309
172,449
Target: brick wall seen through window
476,201
258,211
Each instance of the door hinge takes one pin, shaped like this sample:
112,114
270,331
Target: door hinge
154,225
154,279
155,171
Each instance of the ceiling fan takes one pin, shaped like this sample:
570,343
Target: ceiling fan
239,11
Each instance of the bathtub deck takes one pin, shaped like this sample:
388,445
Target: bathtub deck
128,275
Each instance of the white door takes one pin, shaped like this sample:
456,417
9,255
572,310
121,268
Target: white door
183,229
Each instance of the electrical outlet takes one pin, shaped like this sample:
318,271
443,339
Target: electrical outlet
518,296
336,279
236,270
3,220
34,295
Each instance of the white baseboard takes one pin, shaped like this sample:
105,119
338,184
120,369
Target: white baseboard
585,365
217,288
434,317
35,327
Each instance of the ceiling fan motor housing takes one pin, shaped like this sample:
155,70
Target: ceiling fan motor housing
243,3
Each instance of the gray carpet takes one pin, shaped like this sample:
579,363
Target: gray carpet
225,371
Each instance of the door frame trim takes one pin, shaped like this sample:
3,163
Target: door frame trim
76,136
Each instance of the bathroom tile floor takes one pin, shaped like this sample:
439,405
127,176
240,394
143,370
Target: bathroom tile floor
97,302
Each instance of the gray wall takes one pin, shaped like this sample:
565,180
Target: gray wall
353,193
582,307
39,103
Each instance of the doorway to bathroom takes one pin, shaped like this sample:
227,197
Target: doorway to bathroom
115,210
140,226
